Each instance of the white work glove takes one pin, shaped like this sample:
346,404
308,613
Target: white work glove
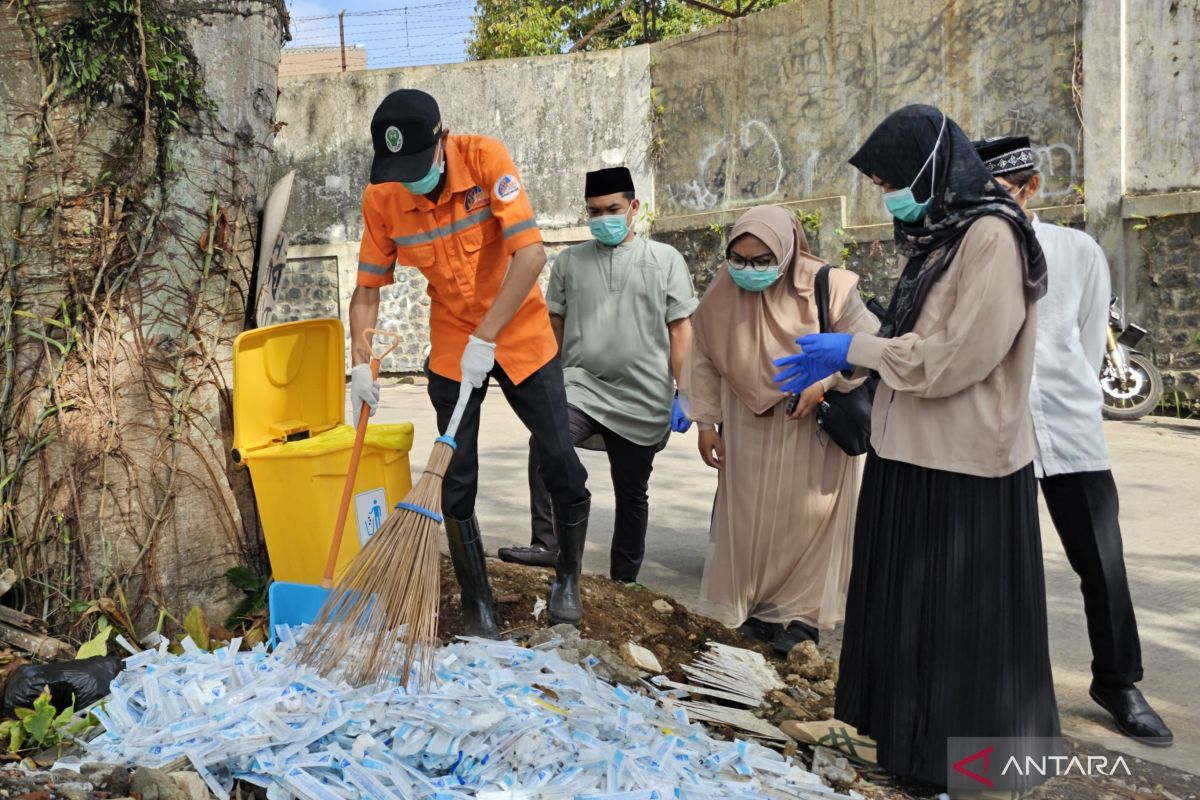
363,389
477,361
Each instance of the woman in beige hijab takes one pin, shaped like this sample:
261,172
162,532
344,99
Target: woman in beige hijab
786,494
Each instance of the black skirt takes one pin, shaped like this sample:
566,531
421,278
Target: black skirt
945,630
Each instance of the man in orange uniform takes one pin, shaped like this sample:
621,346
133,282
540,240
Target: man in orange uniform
454,208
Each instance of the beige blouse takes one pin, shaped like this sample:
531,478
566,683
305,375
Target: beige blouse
954,392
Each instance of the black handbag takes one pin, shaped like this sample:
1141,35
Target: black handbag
845,417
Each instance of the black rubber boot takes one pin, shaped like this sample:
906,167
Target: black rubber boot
470,568
570,528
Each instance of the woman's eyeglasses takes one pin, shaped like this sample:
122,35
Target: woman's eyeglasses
760,264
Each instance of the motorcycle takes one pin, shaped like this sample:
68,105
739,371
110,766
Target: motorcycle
1132,384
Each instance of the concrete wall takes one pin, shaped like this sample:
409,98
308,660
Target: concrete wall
1161,97
768,109
559,117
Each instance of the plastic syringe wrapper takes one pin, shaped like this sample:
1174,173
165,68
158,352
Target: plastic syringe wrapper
501,722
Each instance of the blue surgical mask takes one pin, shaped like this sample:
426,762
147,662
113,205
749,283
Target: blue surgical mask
753,280
609,230
428,183
901,204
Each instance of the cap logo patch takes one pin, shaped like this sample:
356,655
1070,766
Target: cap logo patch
507,188
393,139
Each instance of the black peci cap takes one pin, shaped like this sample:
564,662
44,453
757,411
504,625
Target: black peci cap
405,131
607,181
1005,154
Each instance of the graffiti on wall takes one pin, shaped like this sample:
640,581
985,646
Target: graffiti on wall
740,168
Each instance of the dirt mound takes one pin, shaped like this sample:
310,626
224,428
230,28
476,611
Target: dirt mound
613,613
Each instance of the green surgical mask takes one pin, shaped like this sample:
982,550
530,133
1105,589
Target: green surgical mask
428,183
753,280
901,203
609,230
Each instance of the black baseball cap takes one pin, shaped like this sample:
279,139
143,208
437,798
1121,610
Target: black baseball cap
405,131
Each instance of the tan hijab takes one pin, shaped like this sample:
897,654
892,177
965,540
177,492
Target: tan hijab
742,332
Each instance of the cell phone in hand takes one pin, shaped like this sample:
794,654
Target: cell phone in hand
793,401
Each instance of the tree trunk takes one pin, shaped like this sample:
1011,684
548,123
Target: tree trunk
128,199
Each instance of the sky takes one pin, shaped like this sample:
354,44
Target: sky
395,33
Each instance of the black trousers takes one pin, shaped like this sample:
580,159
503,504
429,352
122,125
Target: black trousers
1084,508
630,465
540,401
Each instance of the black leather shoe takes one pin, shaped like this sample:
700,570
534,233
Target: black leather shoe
1132,714
470,568
570,529
788,636
756,629
532,556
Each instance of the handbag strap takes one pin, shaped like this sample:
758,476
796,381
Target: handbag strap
821,292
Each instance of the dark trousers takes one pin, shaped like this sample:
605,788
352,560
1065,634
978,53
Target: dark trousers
1084,508
540,401
630,465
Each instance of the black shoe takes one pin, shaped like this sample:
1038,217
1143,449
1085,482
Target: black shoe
756,629
470,568
570,529
788,636
1132,714
535,555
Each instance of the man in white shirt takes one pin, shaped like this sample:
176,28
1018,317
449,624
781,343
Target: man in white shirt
1072,457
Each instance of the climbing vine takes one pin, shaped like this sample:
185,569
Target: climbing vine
126,260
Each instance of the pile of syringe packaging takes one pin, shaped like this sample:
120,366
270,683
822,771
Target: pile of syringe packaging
497,722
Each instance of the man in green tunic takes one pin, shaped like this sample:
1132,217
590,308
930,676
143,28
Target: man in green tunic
620,308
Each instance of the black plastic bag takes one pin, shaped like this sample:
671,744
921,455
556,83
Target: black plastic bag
82,682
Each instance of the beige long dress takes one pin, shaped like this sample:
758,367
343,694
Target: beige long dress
783,523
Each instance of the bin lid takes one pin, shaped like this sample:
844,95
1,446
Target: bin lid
289,382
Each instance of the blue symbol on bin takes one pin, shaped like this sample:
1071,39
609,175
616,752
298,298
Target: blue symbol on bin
375,521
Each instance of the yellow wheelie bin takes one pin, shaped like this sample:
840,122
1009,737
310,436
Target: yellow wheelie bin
289,430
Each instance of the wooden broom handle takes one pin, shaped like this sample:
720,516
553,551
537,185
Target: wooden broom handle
360,435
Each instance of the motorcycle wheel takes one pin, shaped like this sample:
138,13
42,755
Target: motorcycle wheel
1140,397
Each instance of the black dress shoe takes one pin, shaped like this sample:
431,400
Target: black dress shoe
756,629
1133,715
532,556
788,636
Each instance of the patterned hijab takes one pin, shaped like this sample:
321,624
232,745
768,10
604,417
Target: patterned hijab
743,332
964,191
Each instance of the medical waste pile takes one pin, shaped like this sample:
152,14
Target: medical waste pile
498,722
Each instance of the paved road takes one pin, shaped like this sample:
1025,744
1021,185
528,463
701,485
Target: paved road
1157,467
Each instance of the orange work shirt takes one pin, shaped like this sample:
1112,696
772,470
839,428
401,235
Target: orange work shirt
462,244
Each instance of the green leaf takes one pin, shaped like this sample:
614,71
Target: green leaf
197,627
39,724
18,739
66,715
97,646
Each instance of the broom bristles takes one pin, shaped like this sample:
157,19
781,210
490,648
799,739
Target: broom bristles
380,619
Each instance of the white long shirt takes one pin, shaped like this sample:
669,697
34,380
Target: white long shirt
1065,396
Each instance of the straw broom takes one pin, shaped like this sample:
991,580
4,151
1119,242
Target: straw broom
380,620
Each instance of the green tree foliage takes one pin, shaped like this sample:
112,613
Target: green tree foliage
511,28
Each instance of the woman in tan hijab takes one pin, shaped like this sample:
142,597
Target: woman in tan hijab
786,494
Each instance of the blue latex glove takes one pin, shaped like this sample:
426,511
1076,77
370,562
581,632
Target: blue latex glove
822,354
679,420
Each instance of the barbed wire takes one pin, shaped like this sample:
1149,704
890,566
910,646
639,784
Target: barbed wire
413,35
